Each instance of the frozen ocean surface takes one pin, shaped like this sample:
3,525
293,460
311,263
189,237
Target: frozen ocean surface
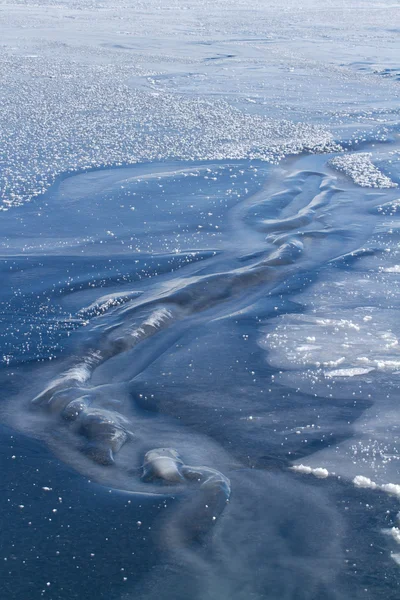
200,227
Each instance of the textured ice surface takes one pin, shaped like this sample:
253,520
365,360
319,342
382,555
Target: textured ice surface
344,340
92,118
337,346
361,170
213,83
81,114
219,235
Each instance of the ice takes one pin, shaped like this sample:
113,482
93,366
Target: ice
362,170
318,472
392,489
112,97
343,339
130,126
395,533
364,482
396,557
201,239
347,372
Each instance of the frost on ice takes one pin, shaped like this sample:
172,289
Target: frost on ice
360,168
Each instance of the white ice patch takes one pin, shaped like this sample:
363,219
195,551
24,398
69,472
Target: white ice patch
394,532
364,482
344,340
361,170
352,372
393,489
318,472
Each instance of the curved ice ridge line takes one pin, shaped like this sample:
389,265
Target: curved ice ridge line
106,431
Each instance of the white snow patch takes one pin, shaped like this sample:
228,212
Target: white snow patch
319,472
361,170
364,482
390,488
